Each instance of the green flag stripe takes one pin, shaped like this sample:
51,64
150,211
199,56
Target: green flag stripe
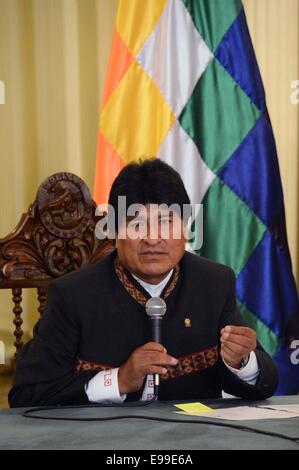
231,231
269,340
212,18
218,116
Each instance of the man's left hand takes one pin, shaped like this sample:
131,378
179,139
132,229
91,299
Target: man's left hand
237,342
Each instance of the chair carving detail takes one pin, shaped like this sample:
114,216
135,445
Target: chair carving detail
56,236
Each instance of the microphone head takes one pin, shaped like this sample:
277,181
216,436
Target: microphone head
155,307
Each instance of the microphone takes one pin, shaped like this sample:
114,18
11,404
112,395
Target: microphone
156,309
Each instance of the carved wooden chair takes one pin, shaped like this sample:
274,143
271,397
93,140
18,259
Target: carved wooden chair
56,236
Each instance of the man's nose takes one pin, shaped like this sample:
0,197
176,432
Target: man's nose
152,236
152,240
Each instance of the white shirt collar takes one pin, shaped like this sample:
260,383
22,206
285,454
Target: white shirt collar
154,290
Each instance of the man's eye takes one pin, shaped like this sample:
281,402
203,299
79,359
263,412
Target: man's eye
164,221
136,224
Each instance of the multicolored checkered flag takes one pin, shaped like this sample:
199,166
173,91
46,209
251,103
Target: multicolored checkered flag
183,84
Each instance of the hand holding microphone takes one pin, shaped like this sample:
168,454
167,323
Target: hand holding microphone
151,358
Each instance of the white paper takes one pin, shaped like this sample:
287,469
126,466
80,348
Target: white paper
244,413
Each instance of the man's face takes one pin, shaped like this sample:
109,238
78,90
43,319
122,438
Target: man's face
151,244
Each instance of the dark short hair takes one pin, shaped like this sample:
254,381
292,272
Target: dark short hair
150,181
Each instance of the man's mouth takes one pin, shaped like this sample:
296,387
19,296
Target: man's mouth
153,253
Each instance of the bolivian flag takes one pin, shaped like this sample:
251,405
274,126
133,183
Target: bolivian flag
183,85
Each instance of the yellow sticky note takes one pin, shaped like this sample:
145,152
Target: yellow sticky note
195,408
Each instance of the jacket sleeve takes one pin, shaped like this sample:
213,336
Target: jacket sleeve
45,365
268,377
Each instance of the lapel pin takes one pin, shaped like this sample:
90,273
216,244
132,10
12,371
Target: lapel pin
187,322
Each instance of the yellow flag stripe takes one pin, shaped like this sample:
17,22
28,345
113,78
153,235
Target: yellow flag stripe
136,20
136,118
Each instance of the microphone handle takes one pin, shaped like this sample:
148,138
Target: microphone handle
156,324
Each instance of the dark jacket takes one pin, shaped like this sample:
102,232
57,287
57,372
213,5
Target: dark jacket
91,317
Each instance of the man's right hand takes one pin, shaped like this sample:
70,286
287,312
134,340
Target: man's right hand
151,358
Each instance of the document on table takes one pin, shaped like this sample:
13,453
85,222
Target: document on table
244,413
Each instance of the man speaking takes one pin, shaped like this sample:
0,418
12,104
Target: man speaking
94,343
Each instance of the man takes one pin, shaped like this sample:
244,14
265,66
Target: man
93,343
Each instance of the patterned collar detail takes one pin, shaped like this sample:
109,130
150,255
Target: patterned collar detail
136,290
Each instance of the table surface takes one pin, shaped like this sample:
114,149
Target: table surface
18,432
